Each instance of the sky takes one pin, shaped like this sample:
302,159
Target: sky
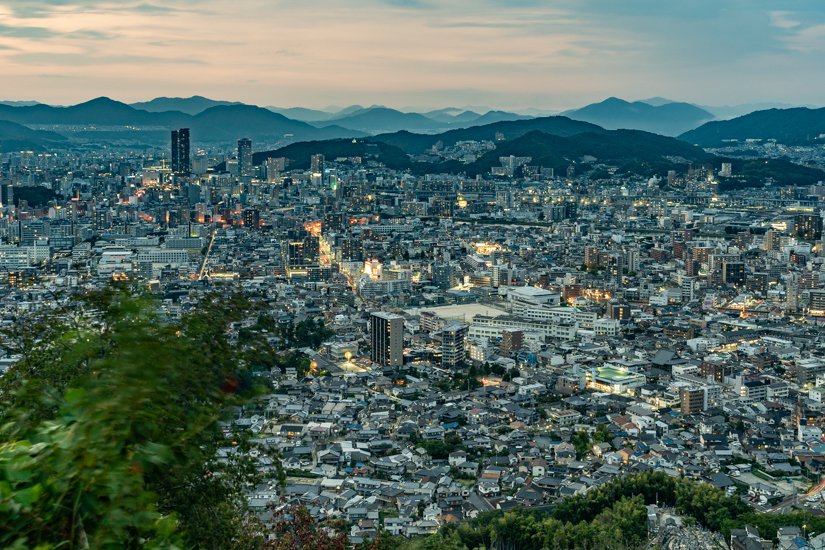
414,53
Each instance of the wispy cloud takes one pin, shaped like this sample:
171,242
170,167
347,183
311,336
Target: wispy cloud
780,20
82,60
25,32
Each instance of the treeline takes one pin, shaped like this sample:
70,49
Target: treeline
611,516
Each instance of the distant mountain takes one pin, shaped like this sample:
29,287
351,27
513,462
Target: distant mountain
16,137
236,121
189,105
795,126
302,114
556,125
101,111
346,110
497,116
657,101
532,111
451,114
668,119
381,119
20,103
218,123
354,110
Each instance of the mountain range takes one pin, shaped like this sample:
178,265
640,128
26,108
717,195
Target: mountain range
216,123
104,120
189,105
666,118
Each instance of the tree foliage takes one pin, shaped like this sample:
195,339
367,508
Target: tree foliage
110,432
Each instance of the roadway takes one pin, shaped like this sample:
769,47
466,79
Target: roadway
206,256
791,501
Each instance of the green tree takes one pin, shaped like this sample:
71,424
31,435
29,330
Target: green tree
111,431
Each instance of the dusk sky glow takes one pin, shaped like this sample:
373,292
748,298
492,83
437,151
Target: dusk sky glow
413,53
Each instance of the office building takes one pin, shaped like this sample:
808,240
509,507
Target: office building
245,157
181,163
386,339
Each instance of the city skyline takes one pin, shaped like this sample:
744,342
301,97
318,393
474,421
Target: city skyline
412,53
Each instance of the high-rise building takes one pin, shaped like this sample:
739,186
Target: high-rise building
511,340
687,289
591,256
245,157
615,266
445,276
501,276
758,282
7,195
773,240
334,221
733,273
386,339
317,164
453,338
181,163
808,226
694,400
252,218
616,310
727,170
792,297
352,249
633,260
692,268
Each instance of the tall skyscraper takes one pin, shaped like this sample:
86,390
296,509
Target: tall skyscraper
317,164
386,339
181,163
245,157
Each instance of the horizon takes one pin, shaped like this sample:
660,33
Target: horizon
413,53
479,109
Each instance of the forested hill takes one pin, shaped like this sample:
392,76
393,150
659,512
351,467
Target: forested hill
795,126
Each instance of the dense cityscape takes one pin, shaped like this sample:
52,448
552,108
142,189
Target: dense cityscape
443,340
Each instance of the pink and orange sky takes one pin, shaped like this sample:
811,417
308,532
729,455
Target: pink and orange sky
413,53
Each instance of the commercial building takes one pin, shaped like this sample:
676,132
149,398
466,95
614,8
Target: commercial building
245,157
181,160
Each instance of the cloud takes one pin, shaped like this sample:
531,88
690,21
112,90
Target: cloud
807,40
779,19
83,60
25,32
